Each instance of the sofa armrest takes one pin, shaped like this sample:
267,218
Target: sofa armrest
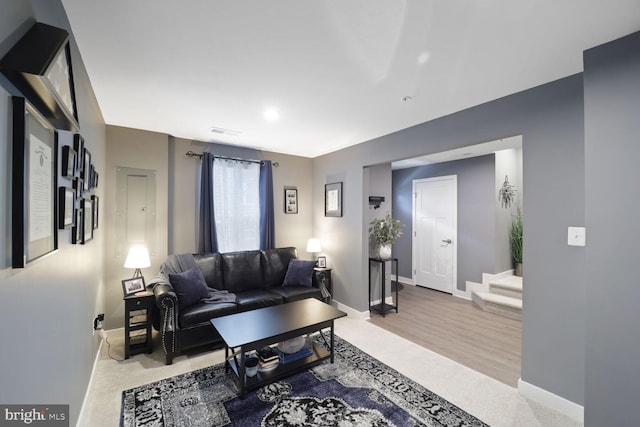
167,303
165,296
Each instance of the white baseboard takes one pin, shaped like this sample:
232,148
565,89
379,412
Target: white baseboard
360,315
81,417
550,400
406,280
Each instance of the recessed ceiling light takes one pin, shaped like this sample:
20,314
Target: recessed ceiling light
271,115
423,58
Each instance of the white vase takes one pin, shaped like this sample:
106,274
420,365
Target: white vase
384,252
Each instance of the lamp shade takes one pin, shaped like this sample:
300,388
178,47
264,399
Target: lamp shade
313,245
138,257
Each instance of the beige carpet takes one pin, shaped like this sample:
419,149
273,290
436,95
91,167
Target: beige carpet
487,399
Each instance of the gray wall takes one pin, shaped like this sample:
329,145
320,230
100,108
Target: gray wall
378,183
508,162
550,118
476,214
177,200
612,150
47,308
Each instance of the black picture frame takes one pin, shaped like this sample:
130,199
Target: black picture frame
78,185
133,285
291,200
66,208
78,147
87,219
35,185
76,230
95,210
86,169
39,66
59,80
333,199
68,166
322,262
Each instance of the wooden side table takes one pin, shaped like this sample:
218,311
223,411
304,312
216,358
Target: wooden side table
137,323
383,307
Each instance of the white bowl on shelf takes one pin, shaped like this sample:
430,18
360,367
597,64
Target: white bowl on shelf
293,345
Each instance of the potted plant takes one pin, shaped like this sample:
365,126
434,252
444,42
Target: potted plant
384,232
516,241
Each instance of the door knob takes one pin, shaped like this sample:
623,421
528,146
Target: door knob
448,241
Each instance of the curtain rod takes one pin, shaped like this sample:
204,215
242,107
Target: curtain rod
237,159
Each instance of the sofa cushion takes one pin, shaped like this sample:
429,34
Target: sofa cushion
275,263
250,300
299,273
295,293
190,287
203,312
211,267
242,271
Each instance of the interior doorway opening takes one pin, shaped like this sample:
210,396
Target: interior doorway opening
483,245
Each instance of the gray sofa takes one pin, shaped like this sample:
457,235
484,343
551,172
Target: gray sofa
233,282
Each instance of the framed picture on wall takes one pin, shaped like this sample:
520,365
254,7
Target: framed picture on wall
66,207
76,230
95,206
86,170
87,218
78,147
290,201
35,185
68,167
333,199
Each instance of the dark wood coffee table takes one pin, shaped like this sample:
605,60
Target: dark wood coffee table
255,329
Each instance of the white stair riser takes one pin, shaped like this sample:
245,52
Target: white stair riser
507,292
497,308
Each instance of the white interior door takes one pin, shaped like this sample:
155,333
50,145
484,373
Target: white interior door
435,232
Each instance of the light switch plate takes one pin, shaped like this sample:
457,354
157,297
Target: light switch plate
577,236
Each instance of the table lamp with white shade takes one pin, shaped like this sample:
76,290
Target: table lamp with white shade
313,247
138,257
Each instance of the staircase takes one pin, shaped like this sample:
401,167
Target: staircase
504,297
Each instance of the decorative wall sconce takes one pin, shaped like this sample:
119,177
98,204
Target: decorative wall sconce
376,201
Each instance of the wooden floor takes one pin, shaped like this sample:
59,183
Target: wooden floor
457,329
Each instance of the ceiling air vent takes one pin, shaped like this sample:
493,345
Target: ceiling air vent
224,131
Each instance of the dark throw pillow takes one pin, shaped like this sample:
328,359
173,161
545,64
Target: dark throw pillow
190,287
299,273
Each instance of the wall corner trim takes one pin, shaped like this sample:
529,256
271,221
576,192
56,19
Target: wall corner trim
552,401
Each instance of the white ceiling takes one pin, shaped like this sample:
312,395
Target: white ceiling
338,72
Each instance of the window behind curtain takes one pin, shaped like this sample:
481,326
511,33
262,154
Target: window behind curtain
237,205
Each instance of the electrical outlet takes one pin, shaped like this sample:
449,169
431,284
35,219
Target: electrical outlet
96,322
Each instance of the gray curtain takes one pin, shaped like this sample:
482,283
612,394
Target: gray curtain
207,241
267,223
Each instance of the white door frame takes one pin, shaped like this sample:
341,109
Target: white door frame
454,260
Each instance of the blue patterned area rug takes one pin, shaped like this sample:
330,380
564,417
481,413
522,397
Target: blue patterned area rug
357,390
